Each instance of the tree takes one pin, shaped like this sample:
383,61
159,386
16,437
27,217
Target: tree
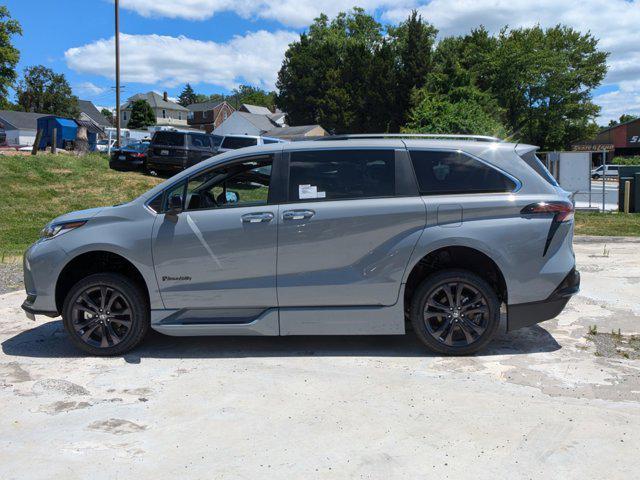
142,115
463,111
188,96
108,114
413,40
624,118
252,96
41,90
9,55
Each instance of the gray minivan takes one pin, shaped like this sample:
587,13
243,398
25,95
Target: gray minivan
354,235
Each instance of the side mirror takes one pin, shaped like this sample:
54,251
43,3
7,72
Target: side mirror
232,197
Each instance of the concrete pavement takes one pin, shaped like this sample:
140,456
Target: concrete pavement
538,402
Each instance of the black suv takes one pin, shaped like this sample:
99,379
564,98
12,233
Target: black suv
175,151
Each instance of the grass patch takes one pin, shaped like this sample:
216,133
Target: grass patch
34,190
612,224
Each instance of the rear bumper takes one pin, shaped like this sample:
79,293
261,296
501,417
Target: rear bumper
126,164
526,314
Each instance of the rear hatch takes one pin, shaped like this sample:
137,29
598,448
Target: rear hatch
168,149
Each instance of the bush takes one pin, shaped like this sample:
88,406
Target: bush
635,160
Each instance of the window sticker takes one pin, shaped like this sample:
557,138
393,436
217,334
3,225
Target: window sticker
307,191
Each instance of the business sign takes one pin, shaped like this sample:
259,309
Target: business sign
591,147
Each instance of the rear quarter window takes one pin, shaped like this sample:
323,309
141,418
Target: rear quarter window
172,139
534,162
444,172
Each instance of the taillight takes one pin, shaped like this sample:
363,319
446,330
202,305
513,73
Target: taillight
138,155
562,212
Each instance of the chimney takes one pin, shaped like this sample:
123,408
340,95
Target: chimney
165,97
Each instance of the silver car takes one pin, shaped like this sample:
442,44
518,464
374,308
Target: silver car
354,235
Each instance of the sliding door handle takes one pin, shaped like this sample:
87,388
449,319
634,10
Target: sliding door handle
261,217
297,214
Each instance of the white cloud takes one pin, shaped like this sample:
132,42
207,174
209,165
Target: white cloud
254,58
89,88
294,13
614,22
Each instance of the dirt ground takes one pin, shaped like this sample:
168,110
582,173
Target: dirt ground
552,401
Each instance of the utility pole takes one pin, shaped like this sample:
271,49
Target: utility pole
117,42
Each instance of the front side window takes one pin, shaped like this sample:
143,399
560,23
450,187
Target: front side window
444,172
241,184
341,174
238,142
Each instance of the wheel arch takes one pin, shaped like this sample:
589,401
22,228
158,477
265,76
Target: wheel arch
455,256
96,261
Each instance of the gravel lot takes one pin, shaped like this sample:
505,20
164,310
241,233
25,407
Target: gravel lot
544,401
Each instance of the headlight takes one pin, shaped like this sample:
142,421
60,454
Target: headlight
56,229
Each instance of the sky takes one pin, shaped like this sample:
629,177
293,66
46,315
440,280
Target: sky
218,44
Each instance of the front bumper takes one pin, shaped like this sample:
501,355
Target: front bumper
31,312
526,314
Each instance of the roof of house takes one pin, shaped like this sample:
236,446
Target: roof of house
297,131
90,126
21,120
255,109
204,106
276,116
156,101
261,122
90,110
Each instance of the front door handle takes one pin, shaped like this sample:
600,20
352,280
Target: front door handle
257,217
297,214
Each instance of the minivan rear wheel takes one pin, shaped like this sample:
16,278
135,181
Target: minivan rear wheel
106,314
455,312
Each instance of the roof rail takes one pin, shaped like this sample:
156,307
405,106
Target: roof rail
446,136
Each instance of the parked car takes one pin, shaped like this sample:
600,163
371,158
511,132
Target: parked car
129,157
173,151
233,142
611,171
348,236
103,145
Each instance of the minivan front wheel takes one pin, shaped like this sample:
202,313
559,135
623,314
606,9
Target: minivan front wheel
455,312
106,314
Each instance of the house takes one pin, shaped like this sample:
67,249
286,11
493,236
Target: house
89,112
18,128
167,113
302,132
208,116
277,116
244,123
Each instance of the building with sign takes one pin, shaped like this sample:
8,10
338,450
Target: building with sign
622,140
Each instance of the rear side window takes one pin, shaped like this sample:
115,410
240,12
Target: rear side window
341,174
238,142
441,172
534,162
200,140
172,139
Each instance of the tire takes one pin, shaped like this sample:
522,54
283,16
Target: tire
449,331
125,325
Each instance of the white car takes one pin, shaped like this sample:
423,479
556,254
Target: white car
611,171
233,142
103,145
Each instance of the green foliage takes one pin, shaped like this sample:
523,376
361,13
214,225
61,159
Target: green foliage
345,75
635,160
9,55
142,115
108,114
252,96
462,110
41,90
188,96
624,118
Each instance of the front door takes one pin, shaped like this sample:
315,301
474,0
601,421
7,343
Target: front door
345,236
220,251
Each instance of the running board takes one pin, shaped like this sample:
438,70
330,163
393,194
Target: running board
223,322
